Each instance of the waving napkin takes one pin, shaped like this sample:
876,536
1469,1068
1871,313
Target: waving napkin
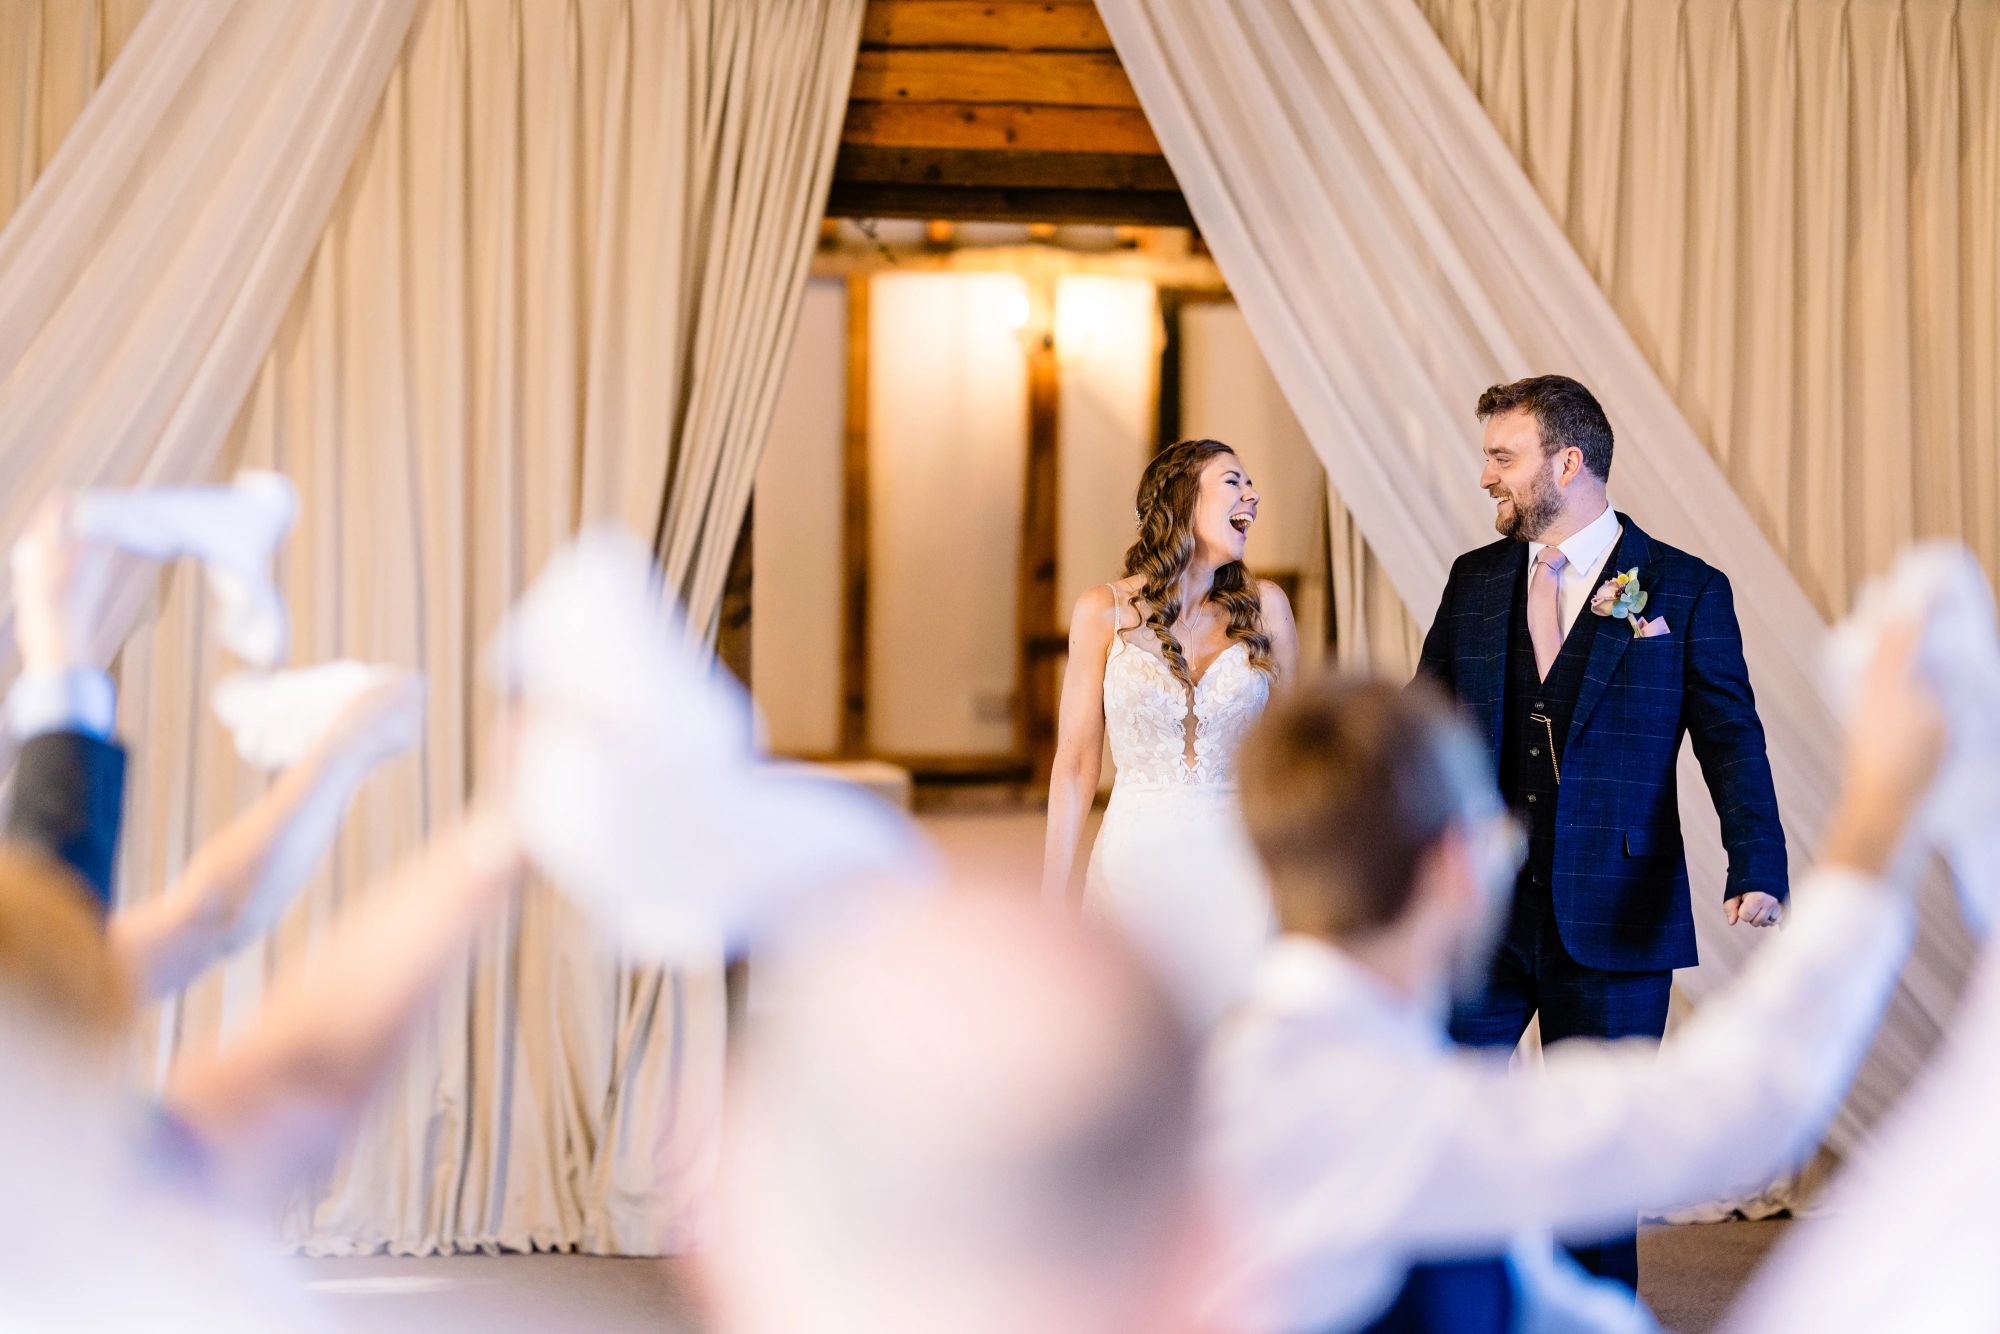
638,787
276,718
1959,653
232,530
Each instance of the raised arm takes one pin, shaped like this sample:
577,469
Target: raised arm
1079,739
1608,1130
242,879
70,783
277,1101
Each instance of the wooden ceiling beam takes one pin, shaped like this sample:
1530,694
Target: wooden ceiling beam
998,125
1004,25
859,164
1008,204
1058,78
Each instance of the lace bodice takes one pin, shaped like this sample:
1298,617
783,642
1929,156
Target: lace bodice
1147,715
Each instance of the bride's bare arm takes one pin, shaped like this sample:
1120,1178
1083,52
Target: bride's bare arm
1079,740
1283,630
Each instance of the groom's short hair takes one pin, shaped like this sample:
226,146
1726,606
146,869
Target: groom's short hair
1346,785
1568,414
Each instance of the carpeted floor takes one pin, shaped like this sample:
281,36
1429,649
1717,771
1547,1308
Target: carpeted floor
1690,1276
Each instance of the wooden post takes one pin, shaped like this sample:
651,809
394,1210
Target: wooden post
1039,625
854,529
732,634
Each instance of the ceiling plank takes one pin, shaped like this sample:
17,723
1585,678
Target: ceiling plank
1146,208
1007,25
1057,78
999,125
858,164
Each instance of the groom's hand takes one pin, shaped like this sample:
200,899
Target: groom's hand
1754,909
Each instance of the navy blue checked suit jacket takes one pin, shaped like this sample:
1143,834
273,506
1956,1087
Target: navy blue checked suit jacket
69,797
1620,887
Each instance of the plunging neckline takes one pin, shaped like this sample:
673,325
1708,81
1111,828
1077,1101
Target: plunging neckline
1198,677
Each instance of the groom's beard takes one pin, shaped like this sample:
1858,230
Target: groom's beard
1530,515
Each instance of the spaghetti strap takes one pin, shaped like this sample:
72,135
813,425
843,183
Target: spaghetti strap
1117,619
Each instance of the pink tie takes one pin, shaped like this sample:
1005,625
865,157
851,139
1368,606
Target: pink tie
1545,627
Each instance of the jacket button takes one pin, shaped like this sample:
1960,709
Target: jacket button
1539,706
1534,752
1531,798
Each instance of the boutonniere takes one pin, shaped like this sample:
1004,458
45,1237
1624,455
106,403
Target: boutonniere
1622,597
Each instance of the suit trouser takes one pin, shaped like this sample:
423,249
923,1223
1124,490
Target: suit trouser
1534,974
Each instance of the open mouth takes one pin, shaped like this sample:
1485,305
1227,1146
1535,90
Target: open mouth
1240,522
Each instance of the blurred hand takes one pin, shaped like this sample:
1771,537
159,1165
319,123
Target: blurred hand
383,720
1894,744
1754,909
59,585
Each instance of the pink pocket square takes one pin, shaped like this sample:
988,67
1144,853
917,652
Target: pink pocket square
1649,629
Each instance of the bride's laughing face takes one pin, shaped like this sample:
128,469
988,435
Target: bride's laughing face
1225,508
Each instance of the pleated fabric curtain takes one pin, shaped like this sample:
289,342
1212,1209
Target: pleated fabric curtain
1795,208
1393,258
557,287
144,271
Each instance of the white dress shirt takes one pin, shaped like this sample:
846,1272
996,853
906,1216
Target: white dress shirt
81,699
1586,550
1347,1139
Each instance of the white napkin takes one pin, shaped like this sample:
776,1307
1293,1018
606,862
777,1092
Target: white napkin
276,718
637,786
232,530
1959,653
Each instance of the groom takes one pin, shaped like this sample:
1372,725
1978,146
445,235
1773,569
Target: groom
1582,689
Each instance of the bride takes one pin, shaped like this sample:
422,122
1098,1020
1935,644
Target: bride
1175,662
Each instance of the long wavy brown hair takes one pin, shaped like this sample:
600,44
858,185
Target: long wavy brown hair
1167,494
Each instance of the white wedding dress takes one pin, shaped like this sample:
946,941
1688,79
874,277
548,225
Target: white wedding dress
1172,865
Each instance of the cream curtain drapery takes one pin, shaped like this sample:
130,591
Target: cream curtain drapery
1795,208
1393,259
142,278
557,286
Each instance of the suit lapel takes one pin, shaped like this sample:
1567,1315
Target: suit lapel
1483,651
1607,648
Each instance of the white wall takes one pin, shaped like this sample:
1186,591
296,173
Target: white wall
1108,340
795,599
1229,394
948,417
947,411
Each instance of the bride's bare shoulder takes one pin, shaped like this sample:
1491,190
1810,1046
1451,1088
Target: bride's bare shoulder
1102,604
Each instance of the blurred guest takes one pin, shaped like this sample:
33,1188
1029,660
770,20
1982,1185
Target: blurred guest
1377,1176
974,1118
69,787
275,1103
69,784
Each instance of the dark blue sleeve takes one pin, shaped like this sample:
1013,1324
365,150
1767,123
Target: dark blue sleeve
1435,660
69,797
1720,713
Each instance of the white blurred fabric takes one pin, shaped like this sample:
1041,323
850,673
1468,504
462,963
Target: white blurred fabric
639,788
1959,653
1393,259
1905,1237
276,718
232,530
